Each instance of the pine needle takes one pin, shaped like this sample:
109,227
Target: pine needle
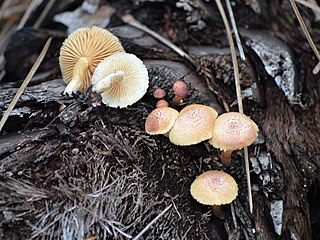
238,91
305,30
25,83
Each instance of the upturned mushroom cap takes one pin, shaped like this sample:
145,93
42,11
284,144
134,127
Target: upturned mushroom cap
91,45
214,188
193,125
233,131
161,120
121,79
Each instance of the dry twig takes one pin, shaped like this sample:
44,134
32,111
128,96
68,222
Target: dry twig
25,83
306,33
238,90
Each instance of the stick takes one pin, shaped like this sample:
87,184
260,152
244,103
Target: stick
25,83
238,90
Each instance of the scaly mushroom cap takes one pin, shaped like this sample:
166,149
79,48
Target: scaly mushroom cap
129,84
214,188
161,120
193,125
94,44
233,131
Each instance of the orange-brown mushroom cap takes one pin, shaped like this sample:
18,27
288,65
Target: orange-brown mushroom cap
214,188
193,125
233,131
90,46
161,120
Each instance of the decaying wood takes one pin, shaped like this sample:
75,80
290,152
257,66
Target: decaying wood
68,166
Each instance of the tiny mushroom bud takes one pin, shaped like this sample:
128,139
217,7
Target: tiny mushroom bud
80,54
193,125
232,131
214,188
161,120
159,93
181,91
121,79
162,103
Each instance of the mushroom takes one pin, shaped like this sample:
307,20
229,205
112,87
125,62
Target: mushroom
193,125
161,120
80,54
232,131
159,93
121,79
214,188
162,103
181,91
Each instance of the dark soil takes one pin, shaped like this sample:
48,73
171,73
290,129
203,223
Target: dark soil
70,169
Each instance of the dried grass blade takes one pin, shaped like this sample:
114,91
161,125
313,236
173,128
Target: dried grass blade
25,83
305,29
238,90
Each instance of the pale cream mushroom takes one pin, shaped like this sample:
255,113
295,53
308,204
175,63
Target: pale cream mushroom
81,52
121,79
193,125
214,188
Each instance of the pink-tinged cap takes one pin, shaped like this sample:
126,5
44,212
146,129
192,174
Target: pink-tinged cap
233,131
193,125
214,188
161,120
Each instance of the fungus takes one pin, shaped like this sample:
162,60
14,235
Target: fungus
214,188
81,52
162,103
193,125
181,91
232,131
159,93
161,120
121,79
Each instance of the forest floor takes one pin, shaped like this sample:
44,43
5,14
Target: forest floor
74,169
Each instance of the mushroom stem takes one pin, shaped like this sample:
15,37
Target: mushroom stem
217,211
78,75
108,81
226,157
177,100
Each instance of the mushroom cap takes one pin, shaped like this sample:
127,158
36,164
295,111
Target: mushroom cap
159,93
95,43
193,125
180,89
214,188
160,120
134,84
233,131
162,103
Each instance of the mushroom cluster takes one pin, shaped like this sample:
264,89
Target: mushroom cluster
94,56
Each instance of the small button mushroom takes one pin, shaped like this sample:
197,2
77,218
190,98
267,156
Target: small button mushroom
161,120
162,103
80,54
214,188
121,79
181,91
193,125
232,131
159,93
